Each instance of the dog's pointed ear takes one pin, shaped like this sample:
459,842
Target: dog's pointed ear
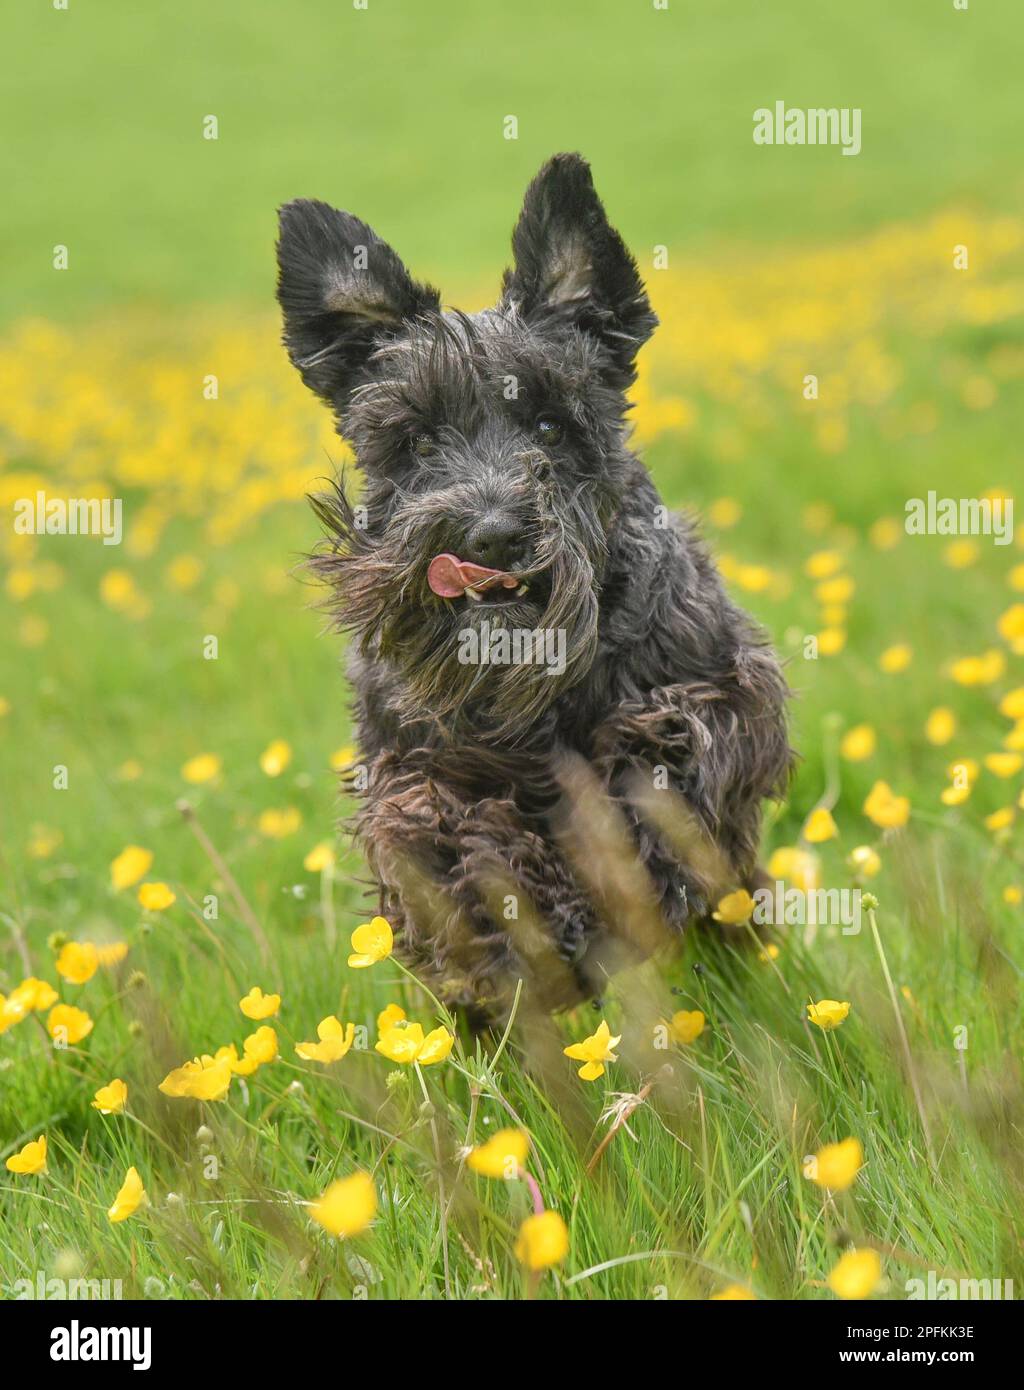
342,291
570,263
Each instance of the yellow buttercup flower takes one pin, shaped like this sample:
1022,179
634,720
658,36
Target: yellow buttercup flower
1001,819
371,942
956,795
198,1082
724,512
543,1241
343,757
754,578
131,864
118,591
257,1005
734,1293
130,1197
831,641
960,554
239,1066
593,1052
12,1011
112,953
823,564
156,897
184,572
838,590
66,1024
278,823
1004,764
29,1160
78,962
502,1156
940,726
858,743
1014,740
796,866
895,659
827,1013
405,1043
275,757
864,861
388,1017
1012,703
33,995
43,842
335,1041
1013,895
857,1275
979,670
319,858
686,1026
1011,623
436,1046
348,1206
401,1042
261,1046
735,908
204,767
111,1099
820,826
885,533
210,1082
836,1165
885,808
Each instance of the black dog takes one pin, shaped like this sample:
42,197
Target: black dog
502,504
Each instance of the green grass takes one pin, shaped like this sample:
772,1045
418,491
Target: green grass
170,239
396,112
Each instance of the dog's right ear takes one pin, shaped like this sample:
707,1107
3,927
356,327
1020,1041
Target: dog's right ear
342,292
572,266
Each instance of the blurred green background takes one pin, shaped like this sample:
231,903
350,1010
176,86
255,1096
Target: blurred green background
396,112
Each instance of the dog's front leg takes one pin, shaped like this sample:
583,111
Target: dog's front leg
721,747
479,899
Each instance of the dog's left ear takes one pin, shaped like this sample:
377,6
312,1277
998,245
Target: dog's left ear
342,292
572,265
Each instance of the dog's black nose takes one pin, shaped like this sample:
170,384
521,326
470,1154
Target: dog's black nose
496,542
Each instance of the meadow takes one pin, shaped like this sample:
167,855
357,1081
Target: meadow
167,829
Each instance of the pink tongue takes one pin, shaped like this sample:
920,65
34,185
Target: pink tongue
449,577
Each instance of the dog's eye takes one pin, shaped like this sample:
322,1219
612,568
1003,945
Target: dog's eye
548,429
422,444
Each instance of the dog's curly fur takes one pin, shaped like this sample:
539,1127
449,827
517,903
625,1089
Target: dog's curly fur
664,677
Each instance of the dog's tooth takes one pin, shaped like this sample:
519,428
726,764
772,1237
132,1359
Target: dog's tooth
472,593
521,590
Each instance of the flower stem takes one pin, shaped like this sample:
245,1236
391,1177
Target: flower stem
535,1192
904,1041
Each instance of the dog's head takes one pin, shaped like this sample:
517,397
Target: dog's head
493,445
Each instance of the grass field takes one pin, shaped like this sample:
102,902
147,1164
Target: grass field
782,264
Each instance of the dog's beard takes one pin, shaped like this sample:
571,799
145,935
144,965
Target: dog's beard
378,591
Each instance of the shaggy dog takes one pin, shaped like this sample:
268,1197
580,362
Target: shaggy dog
533,634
